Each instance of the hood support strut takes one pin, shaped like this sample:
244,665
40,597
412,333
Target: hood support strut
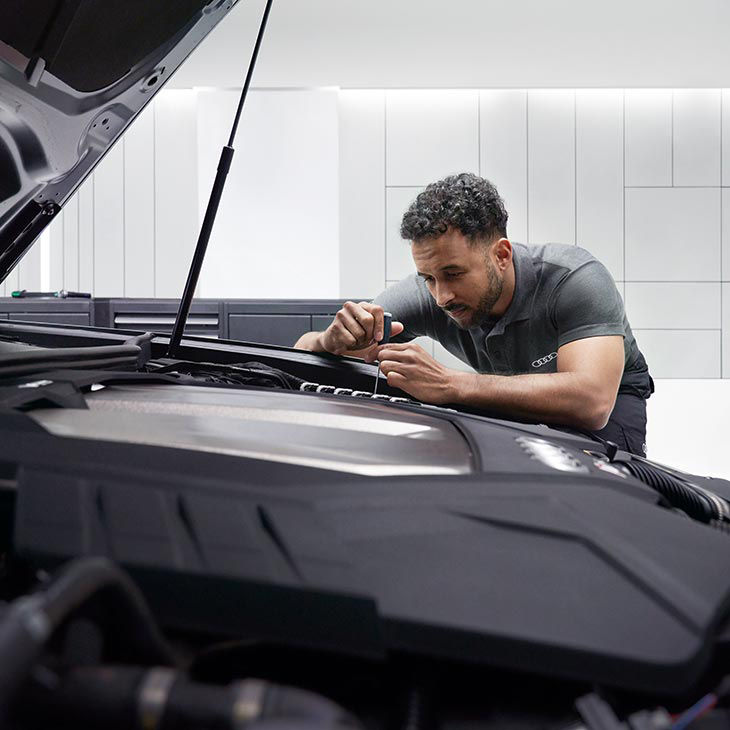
224,165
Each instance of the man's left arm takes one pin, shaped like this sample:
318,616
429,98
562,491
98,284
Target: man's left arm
582,393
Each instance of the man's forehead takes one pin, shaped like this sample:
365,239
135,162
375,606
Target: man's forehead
440,254
425,269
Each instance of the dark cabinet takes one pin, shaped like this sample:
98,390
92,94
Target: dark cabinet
268,321
51,317
321,322
270,329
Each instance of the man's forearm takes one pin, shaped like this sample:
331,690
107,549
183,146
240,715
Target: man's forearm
311,341
565,398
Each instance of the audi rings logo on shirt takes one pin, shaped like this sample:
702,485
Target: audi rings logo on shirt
544,360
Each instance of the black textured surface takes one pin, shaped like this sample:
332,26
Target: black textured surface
518,566
96,44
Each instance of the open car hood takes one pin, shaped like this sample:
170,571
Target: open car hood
73,75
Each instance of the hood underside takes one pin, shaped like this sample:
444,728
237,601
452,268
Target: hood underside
73,76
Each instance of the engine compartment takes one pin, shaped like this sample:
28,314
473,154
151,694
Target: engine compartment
538,582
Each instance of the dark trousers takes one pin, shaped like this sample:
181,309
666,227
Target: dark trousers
627,424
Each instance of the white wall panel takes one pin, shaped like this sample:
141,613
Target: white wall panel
29,269
687,426
55,253
726,230
648,133
674,305
109,224
681,353
86,235
277,231
696,137
176,189
71,244
551,166
362,192
430,134
725,142
12,282
600,176
726,330
672,234
503,152
139,206
399,262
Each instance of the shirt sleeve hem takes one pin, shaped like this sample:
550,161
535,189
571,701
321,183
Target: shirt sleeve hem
591,330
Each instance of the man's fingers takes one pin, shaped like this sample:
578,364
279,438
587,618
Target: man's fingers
345,339
402,352
376,312
350,323
396,328
396,380
389,366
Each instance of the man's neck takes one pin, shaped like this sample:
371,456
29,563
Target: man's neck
508,292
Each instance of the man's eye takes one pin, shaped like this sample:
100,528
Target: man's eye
454,274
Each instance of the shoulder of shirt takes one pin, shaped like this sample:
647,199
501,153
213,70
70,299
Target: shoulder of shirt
565,256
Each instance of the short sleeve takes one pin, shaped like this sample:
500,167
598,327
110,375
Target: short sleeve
404,300
587,304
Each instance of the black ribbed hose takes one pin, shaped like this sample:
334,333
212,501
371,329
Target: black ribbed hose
676,492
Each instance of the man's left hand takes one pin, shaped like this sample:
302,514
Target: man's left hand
409,367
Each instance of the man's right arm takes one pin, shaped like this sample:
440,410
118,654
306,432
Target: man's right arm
355,331
311,341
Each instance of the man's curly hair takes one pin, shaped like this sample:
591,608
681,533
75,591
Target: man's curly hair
466,202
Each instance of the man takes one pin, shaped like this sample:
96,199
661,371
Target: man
543,326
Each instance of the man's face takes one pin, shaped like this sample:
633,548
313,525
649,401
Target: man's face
461,276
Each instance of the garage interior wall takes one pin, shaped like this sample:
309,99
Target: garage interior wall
323,175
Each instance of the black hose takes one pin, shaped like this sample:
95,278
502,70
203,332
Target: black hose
137,698
60,354
31,620
43,366
676,492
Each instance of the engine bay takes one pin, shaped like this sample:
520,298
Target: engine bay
248,569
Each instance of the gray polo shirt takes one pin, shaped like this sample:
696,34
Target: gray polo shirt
562,293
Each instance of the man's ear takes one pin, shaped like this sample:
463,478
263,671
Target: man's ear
502,253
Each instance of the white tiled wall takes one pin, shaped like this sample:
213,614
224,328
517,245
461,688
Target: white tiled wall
599,170
633,176
131,228
503,151
672,234
696,135
648,143
550,166
430,134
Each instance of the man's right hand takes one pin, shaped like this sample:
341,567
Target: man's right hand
356,330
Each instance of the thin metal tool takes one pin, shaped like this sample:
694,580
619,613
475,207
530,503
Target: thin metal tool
387,321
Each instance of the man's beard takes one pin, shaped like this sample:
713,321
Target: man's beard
495,284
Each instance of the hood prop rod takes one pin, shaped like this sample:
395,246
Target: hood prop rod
224,165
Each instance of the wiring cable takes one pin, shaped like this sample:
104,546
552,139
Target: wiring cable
700,708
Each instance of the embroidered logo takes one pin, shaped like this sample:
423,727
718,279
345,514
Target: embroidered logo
544,360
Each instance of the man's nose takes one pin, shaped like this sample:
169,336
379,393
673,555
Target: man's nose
443,295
